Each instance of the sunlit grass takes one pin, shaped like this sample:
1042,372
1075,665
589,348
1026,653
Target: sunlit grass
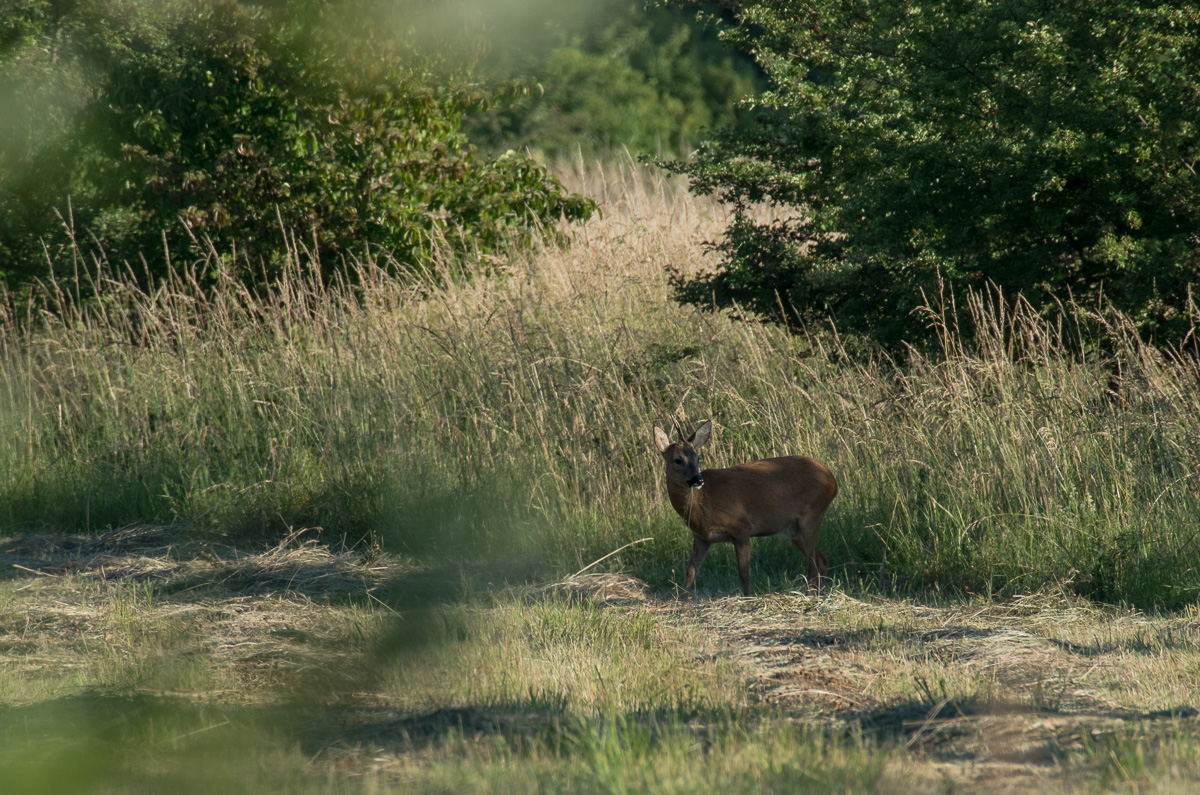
509,417
489,437
577,658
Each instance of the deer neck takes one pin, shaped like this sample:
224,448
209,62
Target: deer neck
688,503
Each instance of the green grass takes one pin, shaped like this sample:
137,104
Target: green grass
510,418
488,437
520,691
238,686
189,749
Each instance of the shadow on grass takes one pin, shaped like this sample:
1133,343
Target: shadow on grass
120,738
137,742
140,743
877,637
101,743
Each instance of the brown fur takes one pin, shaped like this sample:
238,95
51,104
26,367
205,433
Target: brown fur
786,495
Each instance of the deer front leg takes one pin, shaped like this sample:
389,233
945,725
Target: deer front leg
741,547
699,550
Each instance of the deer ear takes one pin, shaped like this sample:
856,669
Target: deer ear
661,439
701,435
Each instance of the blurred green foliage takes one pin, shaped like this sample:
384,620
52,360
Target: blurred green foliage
601,74
1047,148
143,131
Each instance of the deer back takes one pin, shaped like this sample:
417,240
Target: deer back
753,499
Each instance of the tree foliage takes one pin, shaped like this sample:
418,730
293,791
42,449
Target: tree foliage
610,73
189,121
1045,148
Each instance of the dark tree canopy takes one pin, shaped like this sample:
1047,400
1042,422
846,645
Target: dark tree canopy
1048,148
609,74
186,121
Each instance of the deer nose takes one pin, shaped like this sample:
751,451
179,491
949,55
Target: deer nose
696,482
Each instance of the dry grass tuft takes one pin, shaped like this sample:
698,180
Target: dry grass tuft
171,559
156,610
605,588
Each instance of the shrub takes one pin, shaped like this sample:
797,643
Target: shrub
1046,148
195,122
611,73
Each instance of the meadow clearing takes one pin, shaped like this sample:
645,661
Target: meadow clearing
346,540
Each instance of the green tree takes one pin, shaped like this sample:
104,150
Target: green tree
1046,148
195,120
610,73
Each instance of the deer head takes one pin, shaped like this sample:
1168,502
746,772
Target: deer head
681,459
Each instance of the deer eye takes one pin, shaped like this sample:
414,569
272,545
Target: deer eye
678,460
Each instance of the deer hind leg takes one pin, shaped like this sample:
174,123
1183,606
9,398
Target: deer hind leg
804,534
741,548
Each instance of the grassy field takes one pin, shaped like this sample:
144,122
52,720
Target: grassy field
328,540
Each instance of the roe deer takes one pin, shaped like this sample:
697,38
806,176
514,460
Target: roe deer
760,498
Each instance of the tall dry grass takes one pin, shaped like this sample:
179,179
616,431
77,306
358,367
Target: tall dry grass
507,417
